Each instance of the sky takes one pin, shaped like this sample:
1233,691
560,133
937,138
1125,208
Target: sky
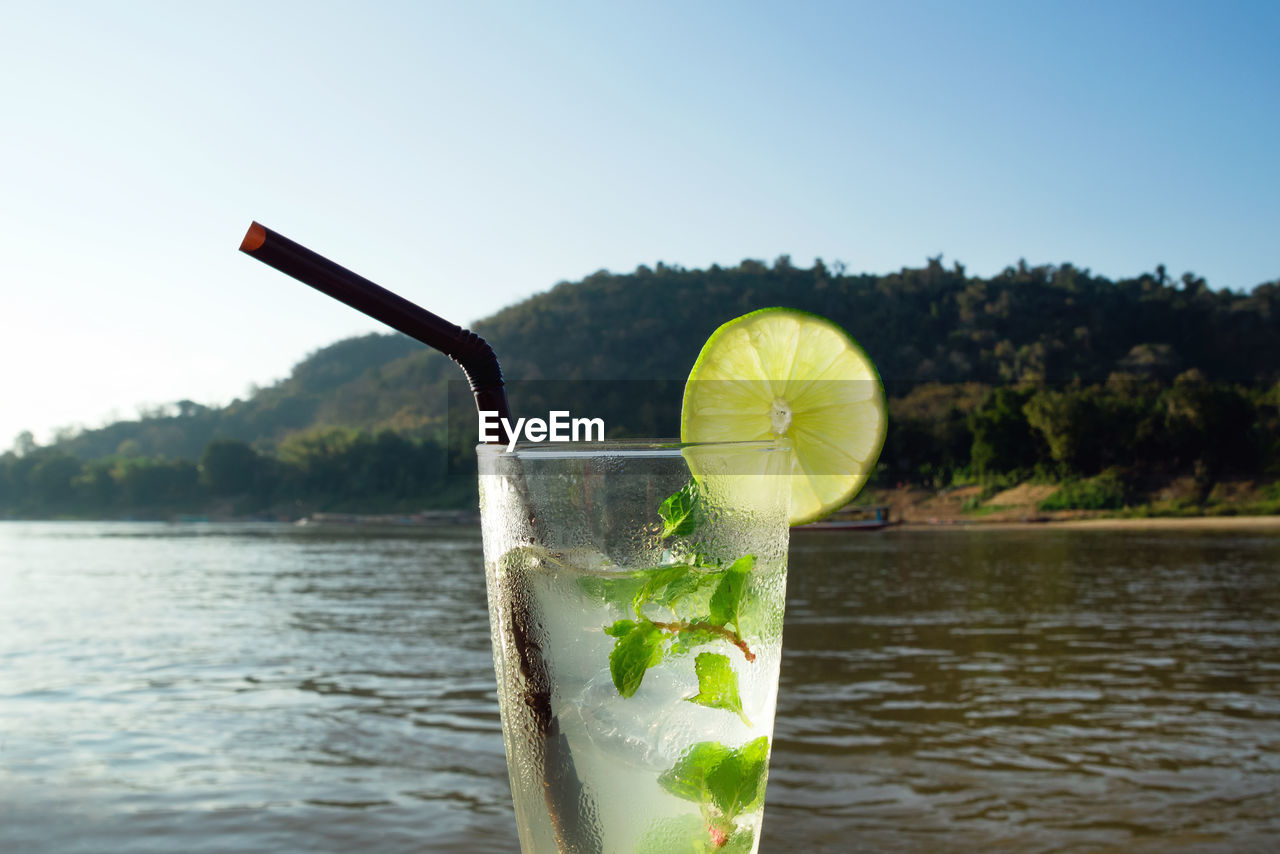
469,155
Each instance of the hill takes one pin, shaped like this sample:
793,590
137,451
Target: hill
1053,341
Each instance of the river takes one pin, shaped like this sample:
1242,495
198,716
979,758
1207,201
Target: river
264,688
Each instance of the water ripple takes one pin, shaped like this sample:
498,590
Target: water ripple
236,689
1046,691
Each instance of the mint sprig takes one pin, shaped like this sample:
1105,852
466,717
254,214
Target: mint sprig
669,586
718,685
639,647
682,513
737,783
687,779
711,774
643,642
706,603
726,601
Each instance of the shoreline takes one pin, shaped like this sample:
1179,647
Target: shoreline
469,518
1150,523
1235,505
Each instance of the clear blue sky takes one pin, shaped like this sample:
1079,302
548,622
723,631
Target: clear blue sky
471,154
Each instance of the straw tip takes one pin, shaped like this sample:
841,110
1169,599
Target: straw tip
253,238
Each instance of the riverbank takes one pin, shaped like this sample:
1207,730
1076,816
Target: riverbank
1238,504
1148,523
1230,504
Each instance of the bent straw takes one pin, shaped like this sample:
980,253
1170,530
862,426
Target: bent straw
571,816
472,353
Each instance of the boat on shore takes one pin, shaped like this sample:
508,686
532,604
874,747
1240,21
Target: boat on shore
868,517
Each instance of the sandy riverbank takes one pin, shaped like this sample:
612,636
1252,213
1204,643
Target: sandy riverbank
1020,508
1156,523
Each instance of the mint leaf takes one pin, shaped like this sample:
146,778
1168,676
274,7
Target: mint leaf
665,585
681,587
620,629
736,784
717,685
681,513
618,591
687,779
710,773
726,601
639,647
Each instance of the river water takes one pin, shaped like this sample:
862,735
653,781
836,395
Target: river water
260,688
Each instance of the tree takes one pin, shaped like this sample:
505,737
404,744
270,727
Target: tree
230,467
1073,427
24,443
1003,440
1210,426
157,483
95,488
50,479
190,409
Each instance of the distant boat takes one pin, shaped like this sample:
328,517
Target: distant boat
869,517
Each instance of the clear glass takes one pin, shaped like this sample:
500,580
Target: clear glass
636,615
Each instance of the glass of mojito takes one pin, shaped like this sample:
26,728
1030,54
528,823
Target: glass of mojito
636,590
636,597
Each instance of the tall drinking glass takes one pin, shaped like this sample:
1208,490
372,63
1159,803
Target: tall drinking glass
636,614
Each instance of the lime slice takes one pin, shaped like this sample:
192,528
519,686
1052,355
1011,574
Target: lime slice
781,372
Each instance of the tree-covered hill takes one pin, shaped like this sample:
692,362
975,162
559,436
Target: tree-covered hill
1067,345
933,324
312,394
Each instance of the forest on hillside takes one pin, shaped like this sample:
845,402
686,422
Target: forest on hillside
1044,372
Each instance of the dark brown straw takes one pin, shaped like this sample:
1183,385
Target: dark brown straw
572,816
472,353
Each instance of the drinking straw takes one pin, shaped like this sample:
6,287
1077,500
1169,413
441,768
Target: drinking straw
571,814
472,353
